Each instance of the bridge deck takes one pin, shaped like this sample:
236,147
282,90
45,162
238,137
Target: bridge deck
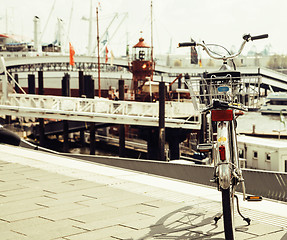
177,114
44,196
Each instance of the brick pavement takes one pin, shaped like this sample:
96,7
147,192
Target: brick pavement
43,196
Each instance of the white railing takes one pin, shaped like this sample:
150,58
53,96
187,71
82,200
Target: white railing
177,114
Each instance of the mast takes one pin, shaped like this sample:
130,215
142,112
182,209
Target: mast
151,39
98,41
90,28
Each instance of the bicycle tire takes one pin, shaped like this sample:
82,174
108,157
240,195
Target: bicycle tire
228,214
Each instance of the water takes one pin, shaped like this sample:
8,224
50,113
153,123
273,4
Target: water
86,150
264,124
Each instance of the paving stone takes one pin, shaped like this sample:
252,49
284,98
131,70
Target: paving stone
43,204
73,213
101,233
5,235
280,235
32,196
262,229
59,212
101,213
45,229
8,187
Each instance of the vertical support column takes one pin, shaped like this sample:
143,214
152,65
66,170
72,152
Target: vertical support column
152,143
3,78
246,103
187,77
81,93
174,148
265,91
122,135
31,84
66,93
16,77
92,138
179,83
66,85
41,120
81,84
203,129
162,121
89,86
40,83
4,82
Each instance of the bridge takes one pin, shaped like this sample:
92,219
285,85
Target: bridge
177,114
119,66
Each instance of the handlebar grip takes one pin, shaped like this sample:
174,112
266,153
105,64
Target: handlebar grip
259,37
187,44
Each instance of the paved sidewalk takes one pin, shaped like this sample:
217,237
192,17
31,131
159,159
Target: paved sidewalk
43,196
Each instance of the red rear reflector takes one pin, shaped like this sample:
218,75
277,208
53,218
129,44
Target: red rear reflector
222,115
254,198
222,153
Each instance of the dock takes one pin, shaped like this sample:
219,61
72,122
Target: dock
45,196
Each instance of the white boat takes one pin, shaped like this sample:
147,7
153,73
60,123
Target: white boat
275,103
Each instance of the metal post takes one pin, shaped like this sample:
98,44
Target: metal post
41,120
173,142
98,42
187,77
179,83
81,84
31,84
122,126
92,139
81,93
66,85
16,77
66,136
162,121
203,129
66,93
40,83
89,86
152,143
3,77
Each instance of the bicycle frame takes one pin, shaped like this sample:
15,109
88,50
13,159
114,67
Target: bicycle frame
227,173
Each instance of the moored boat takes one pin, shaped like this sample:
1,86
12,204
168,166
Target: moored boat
275,103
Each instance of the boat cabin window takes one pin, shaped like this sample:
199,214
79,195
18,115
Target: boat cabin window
241,153
268,157
277,102
255,154
142,54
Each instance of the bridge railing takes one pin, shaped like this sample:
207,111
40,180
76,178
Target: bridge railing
177,114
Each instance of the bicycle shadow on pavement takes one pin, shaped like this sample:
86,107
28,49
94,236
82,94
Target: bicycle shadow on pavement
186,223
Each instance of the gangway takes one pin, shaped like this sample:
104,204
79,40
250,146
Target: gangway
101,110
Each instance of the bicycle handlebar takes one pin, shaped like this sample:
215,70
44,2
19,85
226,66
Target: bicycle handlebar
246,38
187,44
252,38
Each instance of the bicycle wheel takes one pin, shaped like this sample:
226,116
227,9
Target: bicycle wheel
228,213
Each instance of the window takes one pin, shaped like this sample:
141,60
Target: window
241,153
255,154
268,157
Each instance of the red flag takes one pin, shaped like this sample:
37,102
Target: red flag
106,54
72,53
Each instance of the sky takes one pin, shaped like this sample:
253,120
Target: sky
215,21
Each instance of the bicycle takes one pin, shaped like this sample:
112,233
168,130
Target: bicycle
223,108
